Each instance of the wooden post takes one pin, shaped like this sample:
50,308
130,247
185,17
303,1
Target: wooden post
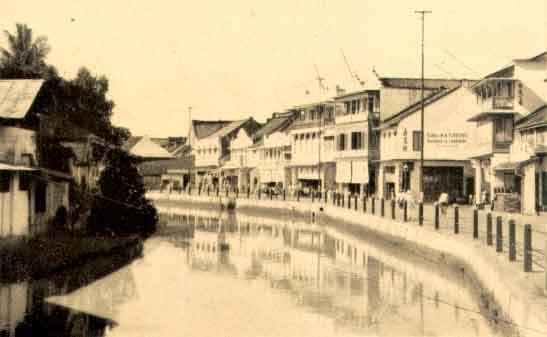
355,202
349,201
271,194
248,192
364,204
298,196
489,229
373,205
312,197
475,224
208,190
259,193
284,195
237,192
343,199
456,220
405,211
527,248
436,216
393,209
512,241
421,214
382,207
499,234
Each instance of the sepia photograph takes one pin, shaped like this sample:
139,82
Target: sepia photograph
289,168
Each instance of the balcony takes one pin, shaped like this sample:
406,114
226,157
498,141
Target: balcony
503,103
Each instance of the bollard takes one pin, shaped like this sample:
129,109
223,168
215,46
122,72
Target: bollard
373,205
436,216
393,209
312,197
382,207
456,220
208,190
343,200
271,194
297,196
527,248
475,224
284,195
199,190
499,234
326,197
259,193
364,204
349,201
355,202
512,241
405,211
227,191
489,229
421,214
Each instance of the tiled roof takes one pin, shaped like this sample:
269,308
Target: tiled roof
433,97
132,141
159,167
204,129
227,129
277,122
17,96
535,119
416,83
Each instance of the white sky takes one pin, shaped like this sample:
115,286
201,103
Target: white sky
232,59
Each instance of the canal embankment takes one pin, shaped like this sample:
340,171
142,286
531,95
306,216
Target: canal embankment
518,295
55,251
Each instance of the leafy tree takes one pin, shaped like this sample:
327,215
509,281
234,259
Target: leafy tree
25,56
121,207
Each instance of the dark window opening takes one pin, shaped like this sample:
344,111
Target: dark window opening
416,141
41,196
5,179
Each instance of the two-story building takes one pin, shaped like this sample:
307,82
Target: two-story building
235,169
273,148
30,194
313,166
448,140
504,97
211,148
357,116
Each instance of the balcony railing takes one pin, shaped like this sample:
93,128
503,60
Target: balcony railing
503,103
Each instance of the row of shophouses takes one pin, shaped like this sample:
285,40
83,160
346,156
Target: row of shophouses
485,140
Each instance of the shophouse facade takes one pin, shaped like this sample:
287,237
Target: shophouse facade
313,166
356,141
448,140
507,97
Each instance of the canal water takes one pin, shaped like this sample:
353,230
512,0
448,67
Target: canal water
213,273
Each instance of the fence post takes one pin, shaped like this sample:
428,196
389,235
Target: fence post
199,190
343,200
393,209
382,207
237,192
499,234
208,190
527,248
349,201
437,216
326,197
512,241
475,223
297,196
355,202
405,211
284,195
456,220
248,192
489,229
421,214
259,193
271,194
365,204
373,205
312,197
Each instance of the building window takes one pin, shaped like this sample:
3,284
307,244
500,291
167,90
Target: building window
356,140
41,196
416,141
5,179
503,130
24,182
342,142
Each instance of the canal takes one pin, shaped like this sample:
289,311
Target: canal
213,273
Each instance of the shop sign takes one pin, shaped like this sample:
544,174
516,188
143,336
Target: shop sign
447,138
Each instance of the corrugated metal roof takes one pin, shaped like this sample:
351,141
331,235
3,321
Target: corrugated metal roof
535,119
16,97
274,124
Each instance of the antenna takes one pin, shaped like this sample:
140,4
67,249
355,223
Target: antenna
319,80
351,73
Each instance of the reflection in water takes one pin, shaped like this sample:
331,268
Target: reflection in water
228,274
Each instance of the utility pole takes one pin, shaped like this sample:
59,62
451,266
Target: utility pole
321,113
422,13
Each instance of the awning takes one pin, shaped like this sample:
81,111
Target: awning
343,172
485,115
507,166
8,167
359,172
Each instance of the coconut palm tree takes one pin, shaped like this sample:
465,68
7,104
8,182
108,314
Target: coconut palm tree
25,56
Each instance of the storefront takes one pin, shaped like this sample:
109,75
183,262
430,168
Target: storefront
352,176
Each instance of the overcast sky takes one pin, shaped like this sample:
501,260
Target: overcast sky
232,59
